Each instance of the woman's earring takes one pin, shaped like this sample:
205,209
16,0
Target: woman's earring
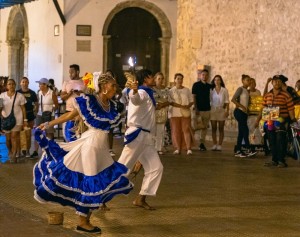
104,93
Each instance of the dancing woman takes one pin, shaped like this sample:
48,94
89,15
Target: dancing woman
82,174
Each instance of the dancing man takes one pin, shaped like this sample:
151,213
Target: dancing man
139,137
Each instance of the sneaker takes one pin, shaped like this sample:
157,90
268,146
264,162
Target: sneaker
240,154
251,153
214,148
219,148
269,164
176,152
189,152
282,165
112,154
160,152
27,154
34,155
202,147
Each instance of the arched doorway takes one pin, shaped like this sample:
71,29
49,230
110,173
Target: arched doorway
17,40
137,29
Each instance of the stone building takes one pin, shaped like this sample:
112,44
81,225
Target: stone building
260,38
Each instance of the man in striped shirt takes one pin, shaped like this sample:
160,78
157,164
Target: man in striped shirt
278,136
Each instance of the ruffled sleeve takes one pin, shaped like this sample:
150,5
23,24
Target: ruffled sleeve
94,115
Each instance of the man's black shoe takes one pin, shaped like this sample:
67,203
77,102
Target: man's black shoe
202,147
272,163
282,165
34,155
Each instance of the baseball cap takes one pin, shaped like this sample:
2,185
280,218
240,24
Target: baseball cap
43,81
280,77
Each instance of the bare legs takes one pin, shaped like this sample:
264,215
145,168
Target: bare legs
214,126
13,144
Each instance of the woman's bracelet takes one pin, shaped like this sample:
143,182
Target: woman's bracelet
25,120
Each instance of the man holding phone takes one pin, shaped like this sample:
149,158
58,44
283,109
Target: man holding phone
70,90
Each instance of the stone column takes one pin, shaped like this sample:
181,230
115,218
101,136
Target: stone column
106,39
26,46
13,47
164,57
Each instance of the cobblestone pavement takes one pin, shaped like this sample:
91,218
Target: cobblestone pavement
208,194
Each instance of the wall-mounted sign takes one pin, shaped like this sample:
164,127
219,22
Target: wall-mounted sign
83,46
83,30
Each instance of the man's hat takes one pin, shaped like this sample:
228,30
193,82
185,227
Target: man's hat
280,77
43,81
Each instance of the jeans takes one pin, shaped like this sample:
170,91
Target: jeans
278,142
243,130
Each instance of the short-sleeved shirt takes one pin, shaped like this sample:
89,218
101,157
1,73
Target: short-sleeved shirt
72,85
7,105
31,99
181,96
202,92
282,100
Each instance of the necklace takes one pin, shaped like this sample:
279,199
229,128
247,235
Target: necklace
105,107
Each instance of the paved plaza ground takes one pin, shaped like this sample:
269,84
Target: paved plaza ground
208,194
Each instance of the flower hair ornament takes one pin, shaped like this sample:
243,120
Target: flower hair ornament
90,80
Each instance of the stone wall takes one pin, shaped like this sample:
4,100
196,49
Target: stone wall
234,37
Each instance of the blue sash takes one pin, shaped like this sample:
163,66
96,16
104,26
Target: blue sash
149,92
130,137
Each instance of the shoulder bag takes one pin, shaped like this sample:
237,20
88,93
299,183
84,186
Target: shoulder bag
46,115
9,122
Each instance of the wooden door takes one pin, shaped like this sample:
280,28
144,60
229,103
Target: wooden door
134,33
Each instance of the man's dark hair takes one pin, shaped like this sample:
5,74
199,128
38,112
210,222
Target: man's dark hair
178,74
51,81
75,66
142,74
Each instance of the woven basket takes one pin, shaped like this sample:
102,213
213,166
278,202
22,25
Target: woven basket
55,218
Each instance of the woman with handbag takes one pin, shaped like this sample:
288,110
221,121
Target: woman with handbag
180,116
31,107
13,118
82,174
161,95
48,104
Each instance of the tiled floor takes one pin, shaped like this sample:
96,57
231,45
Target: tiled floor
208,194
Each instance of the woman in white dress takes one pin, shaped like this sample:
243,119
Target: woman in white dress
81,173
161,95
10,98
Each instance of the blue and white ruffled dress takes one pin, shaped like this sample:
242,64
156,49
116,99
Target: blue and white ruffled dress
81,174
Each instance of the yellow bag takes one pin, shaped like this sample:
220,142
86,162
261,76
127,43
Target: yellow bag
23,142
255,104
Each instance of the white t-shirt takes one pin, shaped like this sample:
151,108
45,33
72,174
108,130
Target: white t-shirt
72,85
7,105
